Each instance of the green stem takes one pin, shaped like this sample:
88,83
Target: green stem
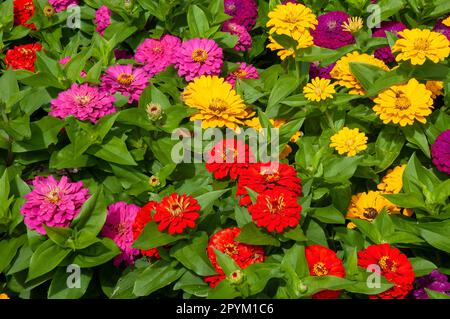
330,120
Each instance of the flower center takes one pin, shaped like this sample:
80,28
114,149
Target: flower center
291,17
53,196
271,178
83,99
231,249
199,55
402,102
125,78
350,142
157,49
387,264
275,206
331,25
218,105
320,269
240,73
421,44
228,152
25,51
177,207
370,213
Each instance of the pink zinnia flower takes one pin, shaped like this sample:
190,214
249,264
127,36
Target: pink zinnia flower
84,102
102,19
61,5
125,79
245,71
52,203
244,12
119,227
245,40
65,60
157,55
385,52
198,57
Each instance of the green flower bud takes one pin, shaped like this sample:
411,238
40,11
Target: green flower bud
154,111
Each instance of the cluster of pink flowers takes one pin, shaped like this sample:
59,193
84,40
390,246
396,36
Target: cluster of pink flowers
61,5
244,71
102,19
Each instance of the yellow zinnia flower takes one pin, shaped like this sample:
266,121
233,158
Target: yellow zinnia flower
4,296
446,21
418,45
291,19
435,87
349,141
305,40
218,104
343,74
402,104
392,182
353,25
368,205
319,89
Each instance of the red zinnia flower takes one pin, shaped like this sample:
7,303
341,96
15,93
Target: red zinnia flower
228,157
324,262
394,266
244,255
276,210
176,212
143,217
22,56
267,176
23,11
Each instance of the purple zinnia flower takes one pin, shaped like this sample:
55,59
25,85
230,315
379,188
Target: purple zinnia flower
434,281
442,28
157,55
440,152
321,72
244,12
385,52
84,102
61,5
102,19
198,57
53,203
125,79
245,40
119,227
245,71
329,33
122,54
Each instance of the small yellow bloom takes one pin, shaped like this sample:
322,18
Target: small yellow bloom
446,21
154,181
296,136
353,25
436,88
4,296
343,74
349,141
285,152
291,19
403,104
217,103
392,182
319,89
367,206
419,45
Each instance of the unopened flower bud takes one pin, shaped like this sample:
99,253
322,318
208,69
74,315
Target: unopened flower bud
154,111
154,181
301,287
128,4
236,277
49,11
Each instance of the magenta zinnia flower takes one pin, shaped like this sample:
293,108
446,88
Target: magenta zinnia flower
125,79
244,12
119,227
61,5
329,33
442,28
198,57
64,60
245,71
385,52
84,102
245,40
157,55
322,72
102,19
52,203
440,152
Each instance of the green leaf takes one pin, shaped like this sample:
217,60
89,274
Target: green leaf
8,249
340,169
225,262
92,215
366,73
114,151
284,86
436,294
295,234
320,283
136,117
242,216
253,235
368,229
421,266
59,235
192,254
207,200
437,235
96,254
329,215
192,284
388,146
295,258
406,200
155,277
416,135
197,21
151,237
59,288
46,258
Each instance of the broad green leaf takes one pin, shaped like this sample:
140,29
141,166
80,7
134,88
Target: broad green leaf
46,258
253,235
151,237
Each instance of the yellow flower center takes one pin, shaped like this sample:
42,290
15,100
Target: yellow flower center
53,196
218,105
275,206
402,102
25,51
125,78
157,49
240,73
387,264
370,213
320,269
231,249
199,55
421,44
83,99
177,206
291,17
350,142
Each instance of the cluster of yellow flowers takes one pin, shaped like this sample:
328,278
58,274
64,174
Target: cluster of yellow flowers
293,20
